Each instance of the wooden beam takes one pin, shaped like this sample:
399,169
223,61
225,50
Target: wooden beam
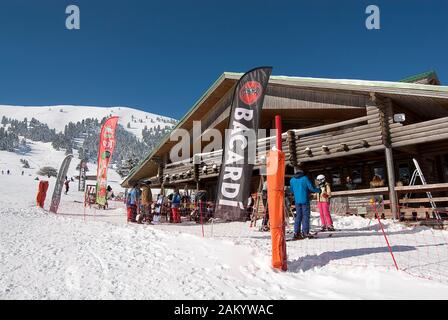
423,188
360,192
420,200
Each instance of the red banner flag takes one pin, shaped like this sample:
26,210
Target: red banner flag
105,150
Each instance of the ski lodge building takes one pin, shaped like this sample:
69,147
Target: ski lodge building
340,128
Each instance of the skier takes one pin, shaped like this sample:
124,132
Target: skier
146,203
323,203
301,187
175,204
3,172
7,172
67,186
23,172
132,203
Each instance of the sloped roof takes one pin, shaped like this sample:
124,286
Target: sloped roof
428,76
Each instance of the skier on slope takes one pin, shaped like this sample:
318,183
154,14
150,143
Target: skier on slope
323,203
301,187
67,185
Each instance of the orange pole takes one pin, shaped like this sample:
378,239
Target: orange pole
276,201
278,128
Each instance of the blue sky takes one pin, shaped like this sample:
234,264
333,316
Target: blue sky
160,56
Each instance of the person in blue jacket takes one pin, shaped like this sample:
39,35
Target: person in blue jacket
132,202
301,187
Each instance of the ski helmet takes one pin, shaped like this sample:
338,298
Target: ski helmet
320,178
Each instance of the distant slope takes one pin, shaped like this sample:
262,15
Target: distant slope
58,116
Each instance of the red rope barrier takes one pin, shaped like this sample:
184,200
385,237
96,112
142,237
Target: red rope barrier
385,236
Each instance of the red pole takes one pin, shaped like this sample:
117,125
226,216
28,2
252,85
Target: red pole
278,127
200,213
385,236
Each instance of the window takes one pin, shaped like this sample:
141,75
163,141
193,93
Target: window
336,178
404,174
379,171
357,176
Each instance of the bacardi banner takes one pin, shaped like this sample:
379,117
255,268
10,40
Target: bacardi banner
241,137
56,198
105,150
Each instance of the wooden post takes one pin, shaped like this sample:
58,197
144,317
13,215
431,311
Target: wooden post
391,182
385,113
292,148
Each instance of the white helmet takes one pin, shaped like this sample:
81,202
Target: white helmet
321,178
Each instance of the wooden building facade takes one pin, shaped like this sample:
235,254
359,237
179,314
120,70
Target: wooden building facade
336,127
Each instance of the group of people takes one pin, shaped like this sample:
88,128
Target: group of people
142,209
302,187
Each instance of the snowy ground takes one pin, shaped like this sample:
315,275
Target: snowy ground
74,255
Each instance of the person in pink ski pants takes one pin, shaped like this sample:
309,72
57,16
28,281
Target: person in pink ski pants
323,203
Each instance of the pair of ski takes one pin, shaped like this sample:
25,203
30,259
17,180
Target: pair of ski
314,235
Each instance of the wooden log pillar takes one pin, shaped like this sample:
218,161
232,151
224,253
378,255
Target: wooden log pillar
196,169
385,113
162,166
391,181
292,148
160,171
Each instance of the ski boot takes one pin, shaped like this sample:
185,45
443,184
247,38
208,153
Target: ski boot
297,236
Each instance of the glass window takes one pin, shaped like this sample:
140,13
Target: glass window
356,176
379,171
404,174
336,178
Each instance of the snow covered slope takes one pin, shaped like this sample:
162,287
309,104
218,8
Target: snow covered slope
58,116
39,155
